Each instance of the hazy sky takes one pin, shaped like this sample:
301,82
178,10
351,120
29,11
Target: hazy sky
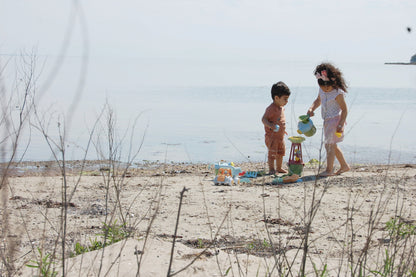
130,43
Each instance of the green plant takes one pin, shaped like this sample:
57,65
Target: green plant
200,243
318,272
43,265
399,229
387,267
114,233
79,249
96,244
266,244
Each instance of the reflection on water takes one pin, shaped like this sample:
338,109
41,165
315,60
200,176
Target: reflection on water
208,124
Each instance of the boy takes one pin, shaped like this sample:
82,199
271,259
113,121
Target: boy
275,127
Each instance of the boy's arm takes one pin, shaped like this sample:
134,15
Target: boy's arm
344,112
314,106
266,122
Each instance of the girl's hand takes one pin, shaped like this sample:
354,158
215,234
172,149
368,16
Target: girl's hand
310,113
340,128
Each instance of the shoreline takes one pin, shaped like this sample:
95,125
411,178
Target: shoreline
51,168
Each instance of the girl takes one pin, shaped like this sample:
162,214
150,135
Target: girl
332,88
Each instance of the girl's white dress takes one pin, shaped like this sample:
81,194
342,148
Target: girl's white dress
331,114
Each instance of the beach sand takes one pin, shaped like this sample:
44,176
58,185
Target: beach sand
250,229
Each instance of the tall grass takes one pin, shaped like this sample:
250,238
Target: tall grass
16,108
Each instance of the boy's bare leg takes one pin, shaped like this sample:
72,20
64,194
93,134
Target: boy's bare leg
279,162
271,165
342,162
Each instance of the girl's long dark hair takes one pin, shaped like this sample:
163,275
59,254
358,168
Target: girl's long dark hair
333,73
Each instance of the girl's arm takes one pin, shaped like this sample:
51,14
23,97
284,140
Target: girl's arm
314,106
344,111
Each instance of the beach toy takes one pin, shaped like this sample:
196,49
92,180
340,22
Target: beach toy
251,174
291,178
294,178
224,177
276,129
226,174
235,171
338,134
254,174
296,139
295,158
305,126
245,180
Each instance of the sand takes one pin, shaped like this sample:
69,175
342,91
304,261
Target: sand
250,229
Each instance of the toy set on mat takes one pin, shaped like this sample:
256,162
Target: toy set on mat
228,174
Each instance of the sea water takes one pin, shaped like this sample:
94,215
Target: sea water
210,124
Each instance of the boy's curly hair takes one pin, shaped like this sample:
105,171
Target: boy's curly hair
279,89
333,73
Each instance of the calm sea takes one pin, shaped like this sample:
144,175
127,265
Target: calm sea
209,124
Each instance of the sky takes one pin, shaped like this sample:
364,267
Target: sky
125,44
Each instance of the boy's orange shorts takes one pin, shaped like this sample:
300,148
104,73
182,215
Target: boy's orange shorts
275,145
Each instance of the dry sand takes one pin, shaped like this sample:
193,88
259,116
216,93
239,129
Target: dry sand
242,230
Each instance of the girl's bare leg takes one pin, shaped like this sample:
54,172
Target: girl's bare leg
330,158
342,162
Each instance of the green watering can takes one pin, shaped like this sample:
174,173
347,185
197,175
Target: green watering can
305,126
